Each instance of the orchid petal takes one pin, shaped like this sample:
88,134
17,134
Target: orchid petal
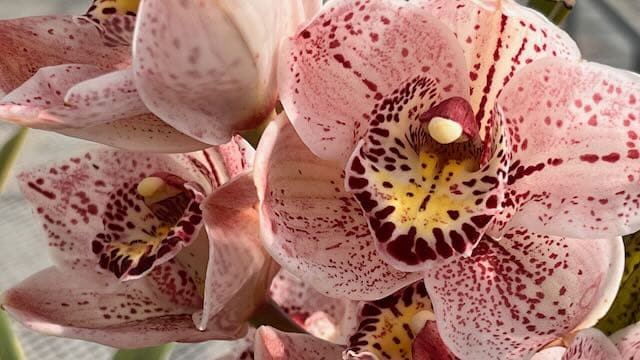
236,256
312,226
591,344
216,73
498,39
627,341
570,123
550,353
428,345
537,287
123,315
31,43
350,56
271,344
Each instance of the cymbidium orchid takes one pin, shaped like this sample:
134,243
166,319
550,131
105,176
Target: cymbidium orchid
463,142
141,248
177,76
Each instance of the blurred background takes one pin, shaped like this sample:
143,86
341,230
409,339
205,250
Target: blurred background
608,31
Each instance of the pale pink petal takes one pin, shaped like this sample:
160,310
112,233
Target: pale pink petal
312,226
498,38
331,319
236,255
145,133
99,100
627,341
75,201
45,90
511,297
31,43
123,315
551,353
591,344
271,344
570,123
428,345
349,57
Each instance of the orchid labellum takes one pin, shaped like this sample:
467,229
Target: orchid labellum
459,141
148,75
140,248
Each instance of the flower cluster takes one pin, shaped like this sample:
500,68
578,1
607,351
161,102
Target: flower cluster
438,179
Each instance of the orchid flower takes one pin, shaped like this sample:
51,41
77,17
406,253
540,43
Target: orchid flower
177,76
459,141
141,248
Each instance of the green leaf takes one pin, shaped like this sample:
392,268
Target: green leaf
625,310
161,352
555,10
8,154
10,348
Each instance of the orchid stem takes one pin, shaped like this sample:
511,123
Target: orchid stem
555,10
10,348
271,314
9,153
161,352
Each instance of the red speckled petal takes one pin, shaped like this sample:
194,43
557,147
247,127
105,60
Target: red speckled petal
591,344
350,56
428,345
31,43
498,38
237,257
271,344
208,68
627,341
570,123
510,298
312,226
122,315
324,317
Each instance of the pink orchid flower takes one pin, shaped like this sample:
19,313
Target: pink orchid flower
142,250
177,76
459,141
591,344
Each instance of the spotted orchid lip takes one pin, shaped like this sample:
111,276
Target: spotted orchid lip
142,232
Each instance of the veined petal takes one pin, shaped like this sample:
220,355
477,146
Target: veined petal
428,344
570,123
627,341
31,43
591,344
510,298
498,39
234,239
351,55
124,315
271,344
194,70
312,226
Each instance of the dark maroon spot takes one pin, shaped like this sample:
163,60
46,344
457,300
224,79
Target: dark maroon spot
358,183
424,251
613,157
453,214
457,241
481,220
356,166
590,158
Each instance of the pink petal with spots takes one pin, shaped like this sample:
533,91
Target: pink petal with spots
349,57
498,39
552,353
208,68
31,43
237,258
76,200
569,124
123,315
591,344
271,344
312,226
428,345
627,341
510,298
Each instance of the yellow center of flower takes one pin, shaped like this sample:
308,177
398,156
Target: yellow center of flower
103,9
155,189
444,131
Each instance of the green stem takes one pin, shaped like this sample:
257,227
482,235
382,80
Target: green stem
10,348
270,314
9,153
161,352
555,10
